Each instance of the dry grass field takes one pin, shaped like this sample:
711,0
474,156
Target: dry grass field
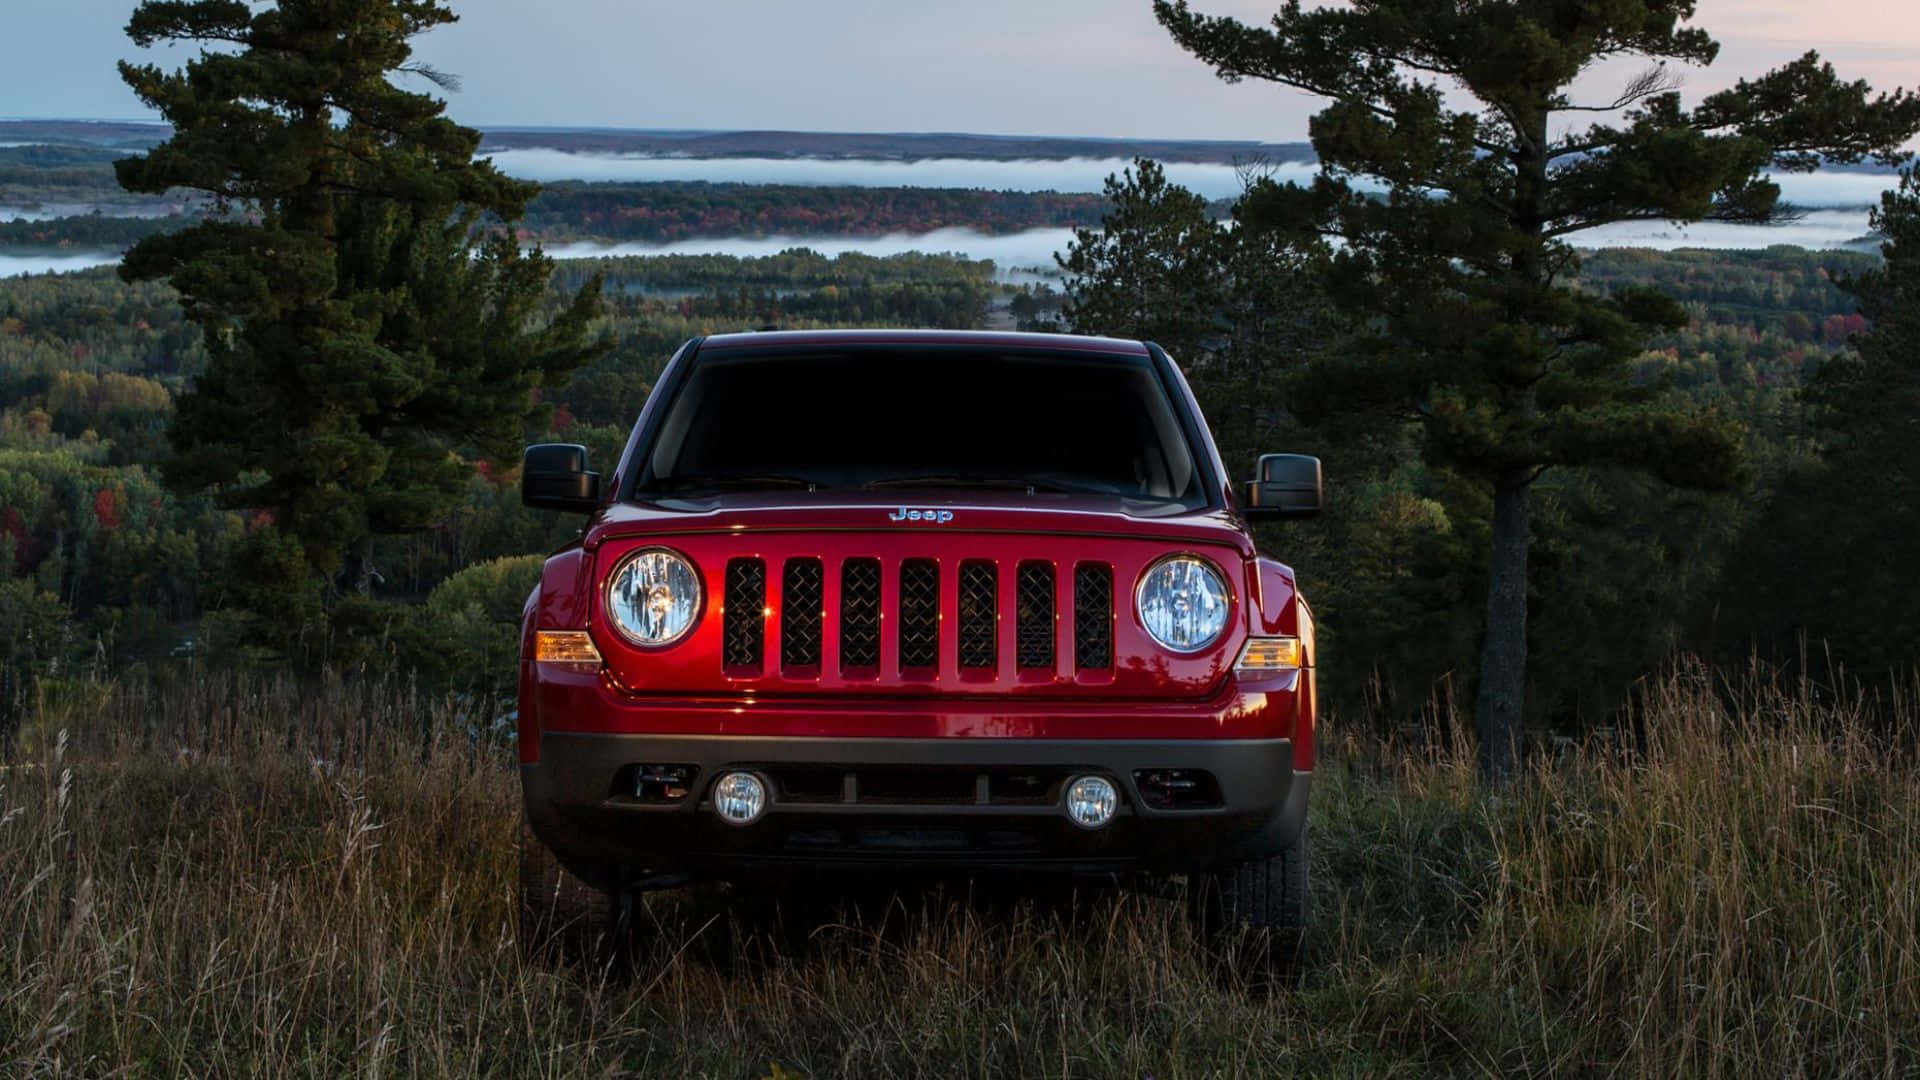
231,877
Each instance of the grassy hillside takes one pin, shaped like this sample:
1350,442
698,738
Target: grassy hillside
233,878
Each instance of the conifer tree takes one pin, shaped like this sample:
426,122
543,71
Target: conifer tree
1828,567
1234,310
1457,163
371,320
1153,270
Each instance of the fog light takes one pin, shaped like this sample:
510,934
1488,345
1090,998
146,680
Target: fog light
1091,801
739,798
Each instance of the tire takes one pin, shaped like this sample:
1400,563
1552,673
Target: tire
1256,910
563,918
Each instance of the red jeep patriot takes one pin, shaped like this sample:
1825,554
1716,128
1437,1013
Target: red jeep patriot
907,601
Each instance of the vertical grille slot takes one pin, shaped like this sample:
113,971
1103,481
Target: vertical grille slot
800,613
1033,616
919,614
744,625
859,614
1092,617
979,614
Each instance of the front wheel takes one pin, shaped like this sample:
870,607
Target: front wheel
561,916
1259,904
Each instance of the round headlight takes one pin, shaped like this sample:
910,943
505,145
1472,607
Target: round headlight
1183,603
653,597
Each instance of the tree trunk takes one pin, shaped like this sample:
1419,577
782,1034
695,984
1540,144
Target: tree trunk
1503,657
1501,708
357,575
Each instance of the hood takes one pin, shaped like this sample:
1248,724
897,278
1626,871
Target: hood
926,510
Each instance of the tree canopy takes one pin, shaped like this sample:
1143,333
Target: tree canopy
1456,161
1829,566
369,318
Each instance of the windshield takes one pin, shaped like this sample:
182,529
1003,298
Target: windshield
881,419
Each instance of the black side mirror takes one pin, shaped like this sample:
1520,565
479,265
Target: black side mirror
554,476
1284,485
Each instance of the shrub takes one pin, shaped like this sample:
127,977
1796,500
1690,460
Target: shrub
466,637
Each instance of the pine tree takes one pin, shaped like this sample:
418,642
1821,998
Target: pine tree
1452,227
1233,309
370,317
1828,566
1153,270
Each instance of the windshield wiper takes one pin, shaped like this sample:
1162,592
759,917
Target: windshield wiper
994,483
695,484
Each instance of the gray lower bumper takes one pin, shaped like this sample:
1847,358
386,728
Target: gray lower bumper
910,803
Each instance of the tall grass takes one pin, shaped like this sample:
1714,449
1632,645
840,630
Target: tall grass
231,877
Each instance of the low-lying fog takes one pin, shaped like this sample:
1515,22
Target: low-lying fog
50,210
54,262
1015,253
1011,252
1836,190
1838,202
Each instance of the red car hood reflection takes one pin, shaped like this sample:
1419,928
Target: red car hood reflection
921,509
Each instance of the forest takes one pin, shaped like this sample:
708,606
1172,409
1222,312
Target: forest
663,212
110,566
647,212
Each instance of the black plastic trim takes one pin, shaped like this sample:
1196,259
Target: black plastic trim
802,611
743,634
917,614
1263,804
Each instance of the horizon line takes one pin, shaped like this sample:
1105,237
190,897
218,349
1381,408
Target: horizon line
618,128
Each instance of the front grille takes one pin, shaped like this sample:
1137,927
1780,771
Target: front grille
1092,617
979,620
1033,616
891,617
919,614
880,785
1010,843
860,614
801,613
744,625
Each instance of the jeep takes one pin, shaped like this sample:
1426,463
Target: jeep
897,602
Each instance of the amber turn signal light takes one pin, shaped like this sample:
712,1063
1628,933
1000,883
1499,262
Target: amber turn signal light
574,648
1263,654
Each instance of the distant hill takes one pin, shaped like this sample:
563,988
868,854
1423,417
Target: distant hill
115,133
887,146
900,146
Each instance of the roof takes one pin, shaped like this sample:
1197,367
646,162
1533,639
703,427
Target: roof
978,338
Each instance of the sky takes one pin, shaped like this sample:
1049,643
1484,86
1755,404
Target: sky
1043,67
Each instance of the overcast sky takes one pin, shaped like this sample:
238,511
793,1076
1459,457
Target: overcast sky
1066,67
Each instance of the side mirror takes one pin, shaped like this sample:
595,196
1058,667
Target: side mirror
1284,485
554,476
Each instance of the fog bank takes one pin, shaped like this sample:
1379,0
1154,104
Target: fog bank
1821,190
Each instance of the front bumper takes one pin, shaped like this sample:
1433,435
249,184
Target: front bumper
932,803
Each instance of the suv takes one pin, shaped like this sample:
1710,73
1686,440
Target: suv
891,601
